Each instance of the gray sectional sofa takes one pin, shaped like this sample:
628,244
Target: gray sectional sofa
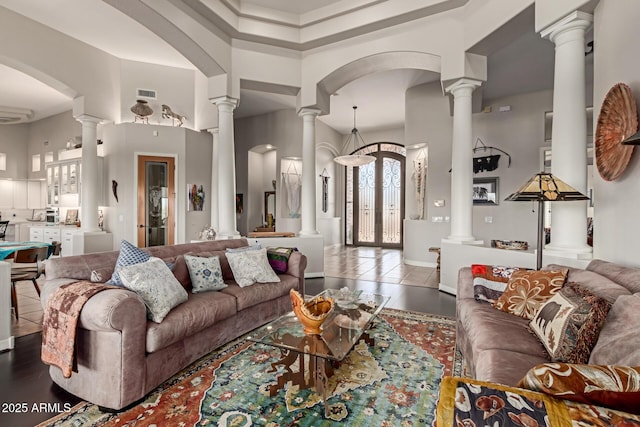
499,347
122,356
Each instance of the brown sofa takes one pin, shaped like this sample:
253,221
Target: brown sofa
499,347
122,356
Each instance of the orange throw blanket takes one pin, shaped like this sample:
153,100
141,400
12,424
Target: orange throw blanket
60,319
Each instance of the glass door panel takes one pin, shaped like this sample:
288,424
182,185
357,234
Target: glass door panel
391,201
367,203
155,201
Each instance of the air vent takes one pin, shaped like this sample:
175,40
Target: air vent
146,93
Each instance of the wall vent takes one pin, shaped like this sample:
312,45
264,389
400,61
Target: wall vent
146,93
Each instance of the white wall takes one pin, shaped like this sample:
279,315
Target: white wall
616,228
197,166
14,143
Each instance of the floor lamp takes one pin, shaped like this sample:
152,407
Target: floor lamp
544,187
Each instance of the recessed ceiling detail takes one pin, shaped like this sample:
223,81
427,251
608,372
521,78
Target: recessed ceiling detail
11,115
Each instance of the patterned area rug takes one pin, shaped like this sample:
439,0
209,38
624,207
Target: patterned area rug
393,383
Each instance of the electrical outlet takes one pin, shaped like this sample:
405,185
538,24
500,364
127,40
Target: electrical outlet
488,219
436,219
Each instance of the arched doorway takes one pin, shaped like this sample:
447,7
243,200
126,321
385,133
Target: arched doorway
374,198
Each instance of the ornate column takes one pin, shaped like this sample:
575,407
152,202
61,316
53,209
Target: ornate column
90,179
569,134
462,162
226,169
215,168
308,199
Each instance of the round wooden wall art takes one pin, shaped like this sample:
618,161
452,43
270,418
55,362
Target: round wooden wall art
617,121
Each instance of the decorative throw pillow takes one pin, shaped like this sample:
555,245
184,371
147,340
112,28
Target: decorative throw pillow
279,258
569,323
490,281
527,290
156,285
616,387
129,255
250,267
205,273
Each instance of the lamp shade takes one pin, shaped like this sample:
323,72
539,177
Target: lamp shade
546,187
354,159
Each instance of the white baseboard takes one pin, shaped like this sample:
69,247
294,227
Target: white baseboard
447,289
7,343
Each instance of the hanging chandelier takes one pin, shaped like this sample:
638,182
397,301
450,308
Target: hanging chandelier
355,138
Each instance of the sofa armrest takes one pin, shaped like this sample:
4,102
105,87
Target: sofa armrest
465,283
296,266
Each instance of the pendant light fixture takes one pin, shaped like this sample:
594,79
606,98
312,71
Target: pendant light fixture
355,159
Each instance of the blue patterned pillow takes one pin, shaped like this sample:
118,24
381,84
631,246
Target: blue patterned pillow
205,273
129,255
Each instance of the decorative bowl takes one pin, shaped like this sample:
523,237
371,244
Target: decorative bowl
311,313
344,297
510,244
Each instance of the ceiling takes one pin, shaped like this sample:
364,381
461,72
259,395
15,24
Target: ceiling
525,64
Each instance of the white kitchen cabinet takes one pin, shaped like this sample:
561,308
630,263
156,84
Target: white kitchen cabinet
67,241
6,194
36,194
36,234
64,182
20,194
51,234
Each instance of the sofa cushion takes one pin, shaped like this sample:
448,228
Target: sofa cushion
156,285
181,271
598,284
528,290
616,387
260,292
129,255
250,267
201,311
205,273
619,340
487,328
569,323
227,273
504,366
490,281
628,277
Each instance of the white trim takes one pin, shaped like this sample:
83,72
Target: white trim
447,289
7,343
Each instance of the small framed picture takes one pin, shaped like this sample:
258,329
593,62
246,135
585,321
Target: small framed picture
485,191
72,217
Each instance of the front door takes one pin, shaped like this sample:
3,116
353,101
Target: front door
376,192
156,201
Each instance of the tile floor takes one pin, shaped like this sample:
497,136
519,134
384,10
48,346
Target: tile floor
29,310
347,262
377,265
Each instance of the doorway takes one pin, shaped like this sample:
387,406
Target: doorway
156,201
375,198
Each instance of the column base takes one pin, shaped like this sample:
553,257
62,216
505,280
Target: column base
308,233
580,253
463,240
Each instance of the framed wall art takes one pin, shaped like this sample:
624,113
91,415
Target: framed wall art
485,191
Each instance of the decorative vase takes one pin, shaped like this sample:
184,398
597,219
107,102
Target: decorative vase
311,313
142,111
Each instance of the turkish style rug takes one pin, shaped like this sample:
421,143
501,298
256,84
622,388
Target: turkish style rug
393,383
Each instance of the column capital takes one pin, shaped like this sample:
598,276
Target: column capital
82,118
213,131
225,101
574,20
308,112
463,84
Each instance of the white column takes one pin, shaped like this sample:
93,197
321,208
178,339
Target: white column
308,199
569,134
462,162
226,170
90,180
215,168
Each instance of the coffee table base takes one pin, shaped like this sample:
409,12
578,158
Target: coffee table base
320,369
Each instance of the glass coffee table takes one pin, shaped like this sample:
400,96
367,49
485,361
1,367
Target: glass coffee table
309,360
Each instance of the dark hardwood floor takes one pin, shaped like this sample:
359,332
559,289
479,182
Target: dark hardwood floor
26,386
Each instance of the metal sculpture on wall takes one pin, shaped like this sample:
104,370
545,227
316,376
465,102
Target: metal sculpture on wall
293,184
487,163
420,178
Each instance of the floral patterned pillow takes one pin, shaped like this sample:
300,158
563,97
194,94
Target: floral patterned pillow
616,387
250,267
529,289
205,273
156,285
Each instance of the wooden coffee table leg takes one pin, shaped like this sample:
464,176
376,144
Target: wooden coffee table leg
322,381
